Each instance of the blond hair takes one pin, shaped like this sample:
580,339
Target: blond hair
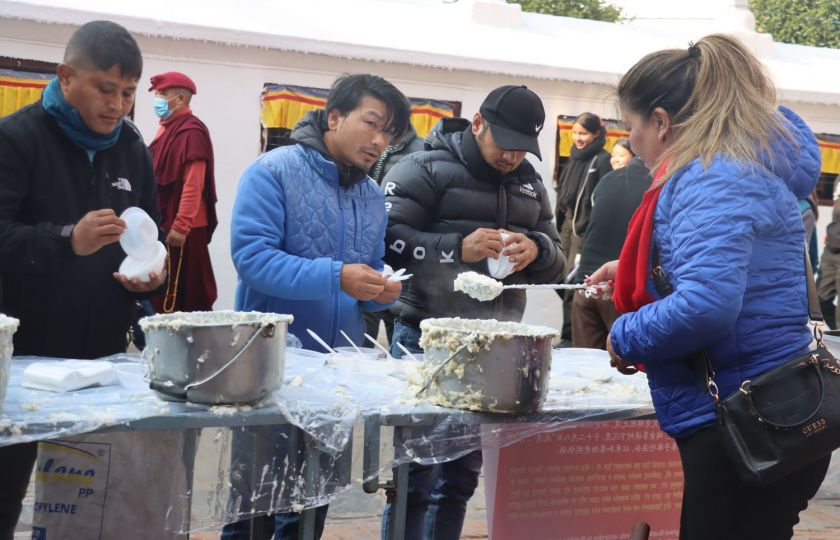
719,97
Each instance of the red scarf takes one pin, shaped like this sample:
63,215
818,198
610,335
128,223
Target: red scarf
634,262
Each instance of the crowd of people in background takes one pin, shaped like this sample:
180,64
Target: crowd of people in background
314,223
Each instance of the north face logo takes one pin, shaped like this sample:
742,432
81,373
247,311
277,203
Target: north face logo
122,183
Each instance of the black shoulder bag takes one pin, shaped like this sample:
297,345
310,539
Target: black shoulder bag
782,420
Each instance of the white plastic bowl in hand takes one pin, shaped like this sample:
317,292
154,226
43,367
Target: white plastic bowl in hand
142,268
146,255
502,267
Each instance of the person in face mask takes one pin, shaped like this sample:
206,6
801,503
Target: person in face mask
183,160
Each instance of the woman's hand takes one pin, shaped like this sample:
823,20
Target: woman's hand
607,272
623,367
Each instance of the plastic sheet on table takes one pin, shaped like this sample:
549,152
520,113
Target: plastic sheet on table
431,434
294,449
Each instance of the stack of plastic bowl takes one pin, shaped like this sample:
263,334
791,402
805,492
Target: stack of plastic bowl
131,375
363,353
146,255
8,327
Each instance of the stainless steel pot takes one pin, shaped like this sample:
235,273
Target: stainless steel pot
8,327
218,357
485,365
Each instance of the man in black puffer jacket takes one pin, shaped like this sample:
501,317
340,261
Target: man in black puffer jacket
447,210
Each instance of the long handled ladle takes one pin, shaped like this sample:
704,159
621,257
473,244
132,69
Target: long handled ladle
485,288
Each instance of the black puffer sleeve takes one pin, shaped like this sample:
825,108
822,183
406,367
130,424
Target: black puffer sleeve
411,197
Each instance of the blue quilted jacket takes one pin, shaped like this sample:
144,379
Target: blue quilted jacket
293,227
731,241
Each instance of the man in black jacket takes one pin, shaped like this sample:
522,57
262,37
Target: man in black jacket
448,208
69,165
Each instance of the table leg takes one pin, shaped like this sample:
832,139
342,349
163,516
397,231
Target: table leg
398,505
370,456
306,530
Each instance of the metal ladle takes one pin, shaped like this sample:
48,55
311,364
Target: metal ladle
443,364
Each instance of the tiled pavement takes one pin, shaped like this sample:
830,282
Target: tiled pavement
355,516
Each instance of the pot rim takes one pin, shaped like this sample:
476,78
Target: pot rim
8,323
188,320
450,324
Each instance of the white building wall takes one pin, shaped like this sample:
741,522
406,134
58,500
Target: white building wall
229,81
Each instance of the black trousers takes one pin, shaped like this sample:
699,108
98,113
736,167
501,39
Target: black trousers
718,505
16,463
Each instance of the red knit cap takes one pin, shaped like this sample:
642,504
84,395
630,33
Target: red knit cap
172,79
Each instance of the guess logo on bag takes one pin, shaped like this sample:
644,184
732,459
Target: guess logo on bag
814,427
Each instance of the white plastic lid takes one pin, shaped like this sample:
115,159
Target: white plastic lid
141,234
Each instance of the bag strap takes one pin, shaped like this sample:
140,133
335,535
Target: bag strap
700,361
814,311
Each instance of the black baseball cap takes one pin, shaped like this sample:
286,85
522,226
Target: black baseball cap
516,117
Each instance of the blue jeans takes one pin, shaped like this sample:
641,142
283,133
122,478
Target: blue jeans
437,494
406,335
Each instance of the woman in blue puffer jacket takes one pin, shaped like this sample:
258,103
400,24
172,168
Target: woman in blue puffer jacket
723,217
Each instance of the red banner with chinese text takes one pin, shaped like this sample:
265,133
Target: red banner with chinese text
592,481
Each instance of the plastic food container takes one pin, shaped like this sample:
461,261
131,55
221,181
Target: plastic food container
367,354
131,376
140,235
146,255
502,267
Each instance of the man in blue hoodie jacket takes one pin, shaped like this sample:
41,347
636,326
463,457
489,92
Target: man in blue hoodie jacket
308,226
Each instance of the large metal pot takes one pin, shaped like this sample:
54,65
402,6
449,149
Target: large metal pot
8,327
215,357
486,365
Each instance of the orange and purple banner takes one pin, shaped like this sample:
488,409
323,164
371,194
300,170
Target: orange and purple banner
283,105
19,88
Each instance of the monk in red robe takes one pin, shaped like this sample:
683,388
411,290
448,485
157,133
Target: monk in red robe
186,192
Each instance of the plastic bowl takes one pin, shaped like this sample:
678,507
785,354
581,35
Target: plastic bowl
141,268
367,354
502,267
306,354
131,376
